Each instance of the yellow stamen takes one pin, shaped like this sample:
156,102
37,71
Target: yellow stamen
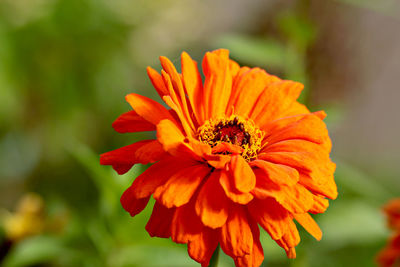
235,130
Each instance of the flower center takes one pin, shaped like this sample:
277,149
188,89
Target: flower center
234,130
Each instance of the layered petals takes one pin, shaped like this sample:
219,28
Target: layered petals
233,152
236,238
211,204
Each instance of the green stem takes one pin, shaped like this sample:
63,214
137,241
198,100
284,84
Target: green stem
214,258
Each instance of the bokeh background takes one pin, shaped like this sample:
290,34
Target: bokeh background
66,65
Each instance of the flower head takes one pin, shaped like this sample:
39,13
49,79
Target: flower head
390,255
233,152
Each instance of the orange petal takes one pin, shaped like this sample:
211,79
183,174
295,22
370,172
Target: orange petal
212,204
203,246
148,109
226,181
131,204
277,97
159,224
173,140
193,85
243,176
315,170
248,89
325,186
144,152
218,82
256,257
186,225
181,186
289,240
156,175
236,238
310,128
131,122
217,161
271,216
309,224
277,173
157,82
295,199
320,205
233,68
177,87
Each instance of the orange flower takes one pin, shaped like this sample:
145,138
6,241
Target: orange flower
390,255
233,152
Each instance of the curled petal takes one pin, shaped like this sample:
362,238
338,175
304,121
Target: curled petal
271,216
157,82
227,183
212,205
257,255
290,240
159,224
186,225
131,204
243,176
202,247
236,238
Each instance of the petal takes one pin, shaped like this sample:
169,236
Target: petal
159,224
277,97
320,205
175,86
315,170
157,82
186,225
144,152
181,186
271,216
243,176
227,183
236,238
131,122
295,199
193,85
173,140
131,204
212,204
203,246
247,90
310,128
289,240
309,224
156,175
148,109
277,173
256,257
218,82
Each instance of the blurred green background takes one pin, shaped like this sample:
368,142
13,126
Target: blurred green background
66,65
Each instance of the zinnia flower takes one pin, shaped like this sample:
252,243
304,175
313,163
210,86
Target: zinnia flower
233,152
390,255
